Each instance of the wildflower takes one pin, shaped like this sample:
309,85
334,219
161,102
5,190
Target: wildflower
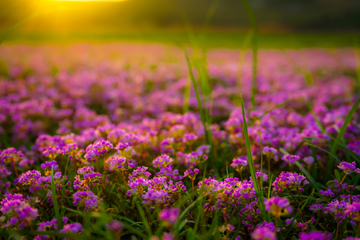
169,172
169,215
93,151
353,211
140,172
11,155
268,225
168,236
17,212
72,228
86,178
177,131
290,159
48,166
51,152
29,179
189,138
337,209
166,146
86,199
315,236
117,163
269,151
309,160
263,233
292,181
278,206
347,167
327,193
239,163
162,161
316,207
48,226
191,173
115,226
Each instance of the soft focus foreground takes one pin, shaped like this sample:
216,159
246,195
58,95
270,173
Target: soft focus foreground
111,141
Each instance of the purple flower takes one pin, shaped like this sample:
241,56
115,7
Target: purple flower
263,233
17,211
169,215
28,178
162,161
327,193
309,160
117,163
347,167
72,228
140,172
268,225
10,155
239,163
278,206
86,199
316,207
191,173
289,181
93,151
353,211
189,138
336,209
290,159
115,226
315,236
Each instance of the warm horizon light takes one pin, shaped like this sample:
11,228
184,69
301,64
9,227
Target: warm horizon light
89,0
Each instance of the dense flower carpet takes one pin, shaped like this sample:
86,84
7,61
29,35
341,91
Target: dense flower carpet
110,141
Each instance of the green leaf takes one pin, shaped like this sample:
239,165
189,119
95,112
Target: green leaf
357,188
337,175
56,206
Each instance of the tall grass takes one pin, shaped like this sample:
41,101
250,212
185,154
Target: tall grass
253,24
259,195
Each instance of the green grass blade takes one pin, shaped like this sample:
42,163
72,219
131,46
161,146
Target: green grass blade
312,180
322,149
187,95
56,206
261,164
242,55
342,132
251,165
357,60
268,111
192,77
315,117
253,23
300,210
144,219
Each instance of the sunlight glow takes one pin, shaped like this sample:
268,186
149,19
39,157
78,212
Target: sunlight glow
89,0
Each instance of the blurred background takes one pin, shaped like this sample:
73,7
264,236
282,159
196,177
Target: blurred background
287,23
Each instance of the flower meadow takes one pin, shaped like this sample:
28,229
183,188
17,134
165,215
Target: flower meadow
130,141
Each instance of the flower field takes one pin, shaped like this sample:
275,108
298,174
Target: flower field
136,141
